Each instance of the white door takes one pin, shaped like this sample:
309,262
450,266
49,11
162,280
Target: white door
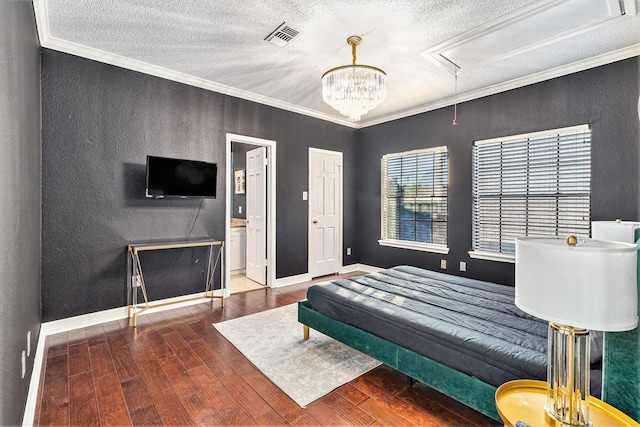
325,212
256,190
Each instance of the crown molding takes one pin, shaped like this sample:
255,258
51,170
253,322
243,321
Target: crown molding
176,76
596,61
54,43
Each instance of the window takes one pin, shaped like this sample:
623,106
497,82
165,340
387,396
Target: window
530,185
414,200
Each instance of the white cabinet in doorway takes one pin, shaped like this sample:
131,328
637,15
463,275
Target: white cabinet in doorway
238,247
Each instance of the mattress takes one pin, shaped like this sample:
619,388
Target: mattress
469,325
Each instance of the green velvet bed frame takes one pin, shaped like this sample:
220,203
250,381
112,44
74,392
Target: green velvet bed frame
462,387
621,364
620,370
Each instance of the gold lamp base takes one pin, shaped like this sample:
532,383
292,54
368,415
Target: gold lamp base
568,375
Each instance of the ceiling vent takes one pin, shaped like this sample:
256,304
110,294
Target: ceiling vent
525,29
282,35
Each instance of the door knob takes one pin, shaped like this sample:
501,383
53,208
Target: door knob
315,221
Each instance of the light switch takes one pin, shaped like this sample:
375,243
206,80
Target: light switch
305,195
239,209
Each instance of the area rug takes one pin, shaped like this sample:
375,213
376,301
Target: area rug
305,370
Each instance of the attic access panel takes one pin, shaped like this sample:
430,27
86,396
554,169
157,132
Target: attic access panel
525,29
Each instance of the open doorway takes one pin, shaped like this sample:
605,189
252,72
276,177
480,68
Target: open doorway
250,214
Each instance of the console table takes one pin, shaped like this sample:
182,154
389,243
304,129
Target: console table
135,277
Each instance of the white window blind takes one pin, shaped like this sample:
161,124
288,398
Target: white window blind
414,196
528,185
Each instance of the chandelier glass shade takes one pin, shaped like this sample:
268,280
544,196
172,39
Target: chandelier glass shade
354,90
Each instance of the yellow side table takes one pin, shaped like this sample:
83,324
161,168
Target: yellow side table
524,400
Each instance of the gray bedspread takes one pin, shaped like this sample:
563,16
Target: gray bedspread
469,325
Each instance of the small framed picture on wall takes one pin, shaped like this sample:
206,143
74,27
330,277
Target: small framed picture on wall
239,182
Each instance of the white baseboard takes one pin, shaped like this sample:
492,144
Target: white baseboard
301,278
292,280
34,382
82,321
359,267
86,320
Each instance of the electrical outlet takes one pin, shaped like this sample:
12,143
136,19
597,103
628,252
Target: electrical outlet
443,264
24,363
348,251
463,266
28,343
137,281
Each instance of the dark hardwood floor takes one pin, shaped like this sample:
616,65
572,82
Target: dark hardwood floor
176,369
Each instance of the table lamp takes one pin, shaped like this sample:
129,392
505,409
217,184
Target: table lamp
576,285
618,231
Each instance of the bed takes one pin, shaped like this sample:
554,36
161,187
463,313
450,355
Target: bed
461,336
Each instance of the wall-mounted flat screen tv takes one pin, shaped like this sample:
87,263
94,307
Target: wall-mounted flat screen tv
168,177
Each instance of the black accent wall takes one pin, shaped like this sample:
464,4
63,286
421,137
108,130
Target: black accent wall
605,97
20,157
99,124
239,153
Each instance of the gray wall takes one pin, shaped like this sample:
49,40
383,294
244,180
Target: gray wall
239,163
99,123
605,97
20,208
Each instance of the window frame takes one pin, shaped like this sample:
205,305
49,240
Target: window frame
477,251
411,244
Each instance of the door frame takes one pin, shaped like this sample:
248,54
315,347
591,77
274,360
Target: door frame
271,205
340,208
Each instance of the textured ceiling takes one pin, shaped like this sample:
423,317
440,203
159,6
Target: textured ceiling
219,45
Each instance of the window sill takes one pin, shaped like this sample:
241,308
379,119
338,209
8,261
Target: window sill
493,256
425,247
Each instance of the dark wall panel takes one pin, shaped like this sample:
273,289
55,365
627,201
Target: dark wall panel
239,151
605,97
99,123
20,158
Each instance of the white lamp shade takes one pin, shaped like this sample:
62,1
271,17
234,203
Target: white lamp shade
592,285
623,231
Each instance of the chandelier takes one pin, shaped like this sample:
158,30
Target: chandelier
354,89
